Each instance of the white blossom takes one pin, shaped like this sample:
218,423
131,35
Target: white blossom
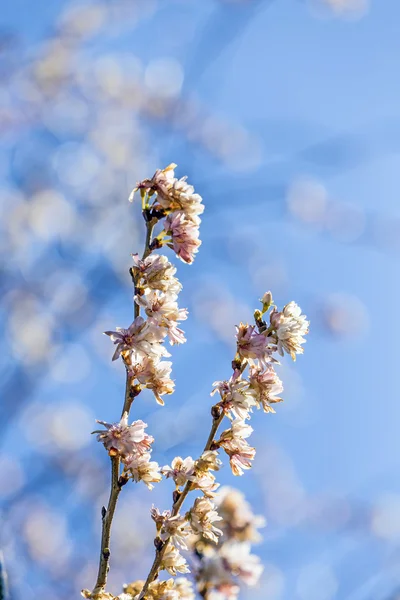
181,470
141,338
252,345
157,273
123,439
243,564
236,397
202,517
205,481
208,461
141,468
184,587
290,326
175,529
238,520
162,310
266,387
184,234
154,374
173,562
233,441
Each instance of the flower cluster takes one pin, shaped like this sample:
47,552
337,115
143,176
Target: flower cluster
219,569
198,472
174,529
224,564
133,446
141,346
171,589
176,200
256,346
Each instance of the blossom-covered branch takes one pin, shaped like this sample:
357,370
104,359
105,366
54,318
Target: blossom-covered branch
254,383
256,346
141,346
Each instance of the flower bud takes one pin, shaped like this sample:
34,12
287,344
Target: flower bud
266,301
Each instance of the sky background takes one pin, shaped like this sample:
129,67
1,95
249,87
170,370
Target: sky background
285,117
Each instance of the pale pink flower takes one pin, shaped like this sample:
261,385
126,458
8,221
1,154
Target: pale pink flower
172,589
236,397
181,470
158,590
123,439
290,326
241,562
202,517
205,481
172,194
238,520
157,273
162,310
141,468
154,375
182,197
159,517
266,387
185,236
173,562
224,591
215,576
208,461
141,338
240,454
252,345
184,587
160,183
176,529
238,430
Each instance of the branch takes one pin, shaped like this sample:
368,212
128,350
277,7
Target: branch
116,481
107,517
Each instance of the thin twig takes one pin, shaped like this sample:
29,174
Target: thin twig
108,515
116,483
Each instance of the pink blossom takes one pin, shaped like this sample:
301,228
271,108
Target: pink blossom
141,468
236,397
160,183
141,338
205,481
157,273
251,344
185,236
123,439
290,326
266,387
208,461
202,517
244,565
162,310
159,517
173,562
175,529
172,194
233,441
155,376
181,470
239,522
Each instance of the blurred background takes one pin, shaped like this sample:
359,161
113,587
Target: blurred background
285,116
